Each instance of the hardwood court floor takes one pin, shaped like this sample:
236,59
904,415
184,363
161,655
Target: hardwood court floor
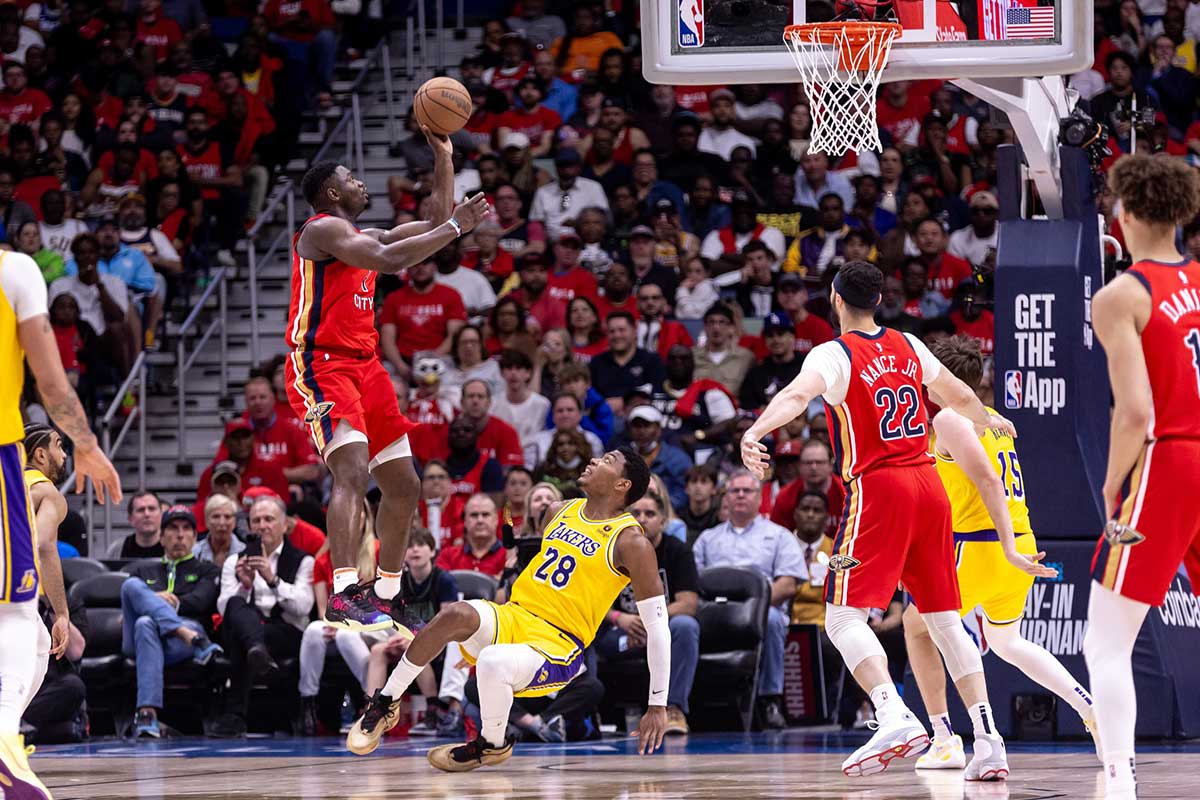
720,766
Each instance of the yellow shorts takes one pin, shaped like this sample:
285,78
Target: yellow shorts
985,578
562,651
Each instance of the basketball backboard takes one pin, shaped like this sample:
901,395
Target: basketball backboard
703,42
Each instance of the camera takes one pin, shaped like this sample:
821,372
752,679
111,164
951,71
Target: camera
253,545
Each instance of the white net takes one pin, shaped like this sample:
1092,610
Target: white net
840,64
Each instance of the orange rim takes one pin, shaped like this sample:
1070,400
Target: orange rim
849,36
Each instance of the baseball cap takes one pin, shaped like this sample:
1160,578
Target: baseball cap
255,492
646,414
516,139
569,233
642,390
664,205
984,199
721,94
178,513
641,230
614,102
686,118
790,279
790,448
924,180
237,424
107,219
223,469
568,155
777,321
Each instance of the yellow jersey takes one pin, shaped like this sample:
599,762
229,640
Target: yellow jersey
33,477
573,581
22,296
966,504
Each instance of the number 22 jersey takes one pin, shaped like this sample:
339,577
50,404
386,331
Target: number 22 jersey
573,580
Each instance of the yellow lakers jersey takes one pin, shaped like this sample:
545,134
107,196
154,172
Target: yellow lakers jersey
966,504
33,477
22,296
573,581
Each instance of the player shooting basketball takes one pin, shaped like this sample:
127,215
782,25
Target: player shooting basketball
337,385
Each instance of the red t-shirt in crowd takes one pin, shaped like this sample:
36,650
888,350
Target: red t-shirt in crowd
575,282
946,273
670,334
549,310
500,441
26,106
784,511
160,35
430,438
205,165
31,190
531,123
492,563
69,341
586,353
280,13
281,441
604,307
982,330
421,317
501,266
812,332
694,98
900,122
306,536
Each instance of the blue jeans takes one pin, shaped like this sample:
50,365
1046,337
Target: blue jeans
148,637
685,655
770,670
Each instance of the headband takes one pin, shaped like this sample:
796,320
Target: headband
855,296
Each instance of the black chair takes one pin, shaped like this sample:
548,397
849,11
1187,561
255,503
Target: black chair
733,623
76,569
475,585
103,668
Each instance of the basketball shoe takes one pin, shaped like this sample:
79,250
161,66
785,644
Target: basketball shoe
989,761
17,780
469,756
898,734
944,754
381,716
358,608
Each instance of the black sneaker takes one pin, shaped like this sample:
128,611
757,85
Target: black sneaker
403,617
145,725
306,718
450,725
358,608
261,663
381,716
226,726
469,756
203,649
772,716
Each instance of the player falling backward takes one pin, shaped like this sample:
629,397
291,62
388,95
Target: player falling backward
337,385
1148,321
896,528
997,559
28,527
534,644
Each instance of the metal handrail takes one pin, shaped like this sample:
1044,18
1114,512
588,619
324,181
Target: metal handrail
183,363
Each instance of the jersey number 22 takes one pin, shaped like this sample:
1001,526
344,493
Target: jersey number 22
903,403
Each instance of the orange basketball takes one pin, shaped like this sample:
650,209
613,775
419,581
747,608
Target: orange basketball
443,104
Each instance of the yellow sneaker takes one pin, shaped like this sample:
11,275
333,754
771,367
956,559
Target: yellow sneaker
469,756
381,716
944,754
17,780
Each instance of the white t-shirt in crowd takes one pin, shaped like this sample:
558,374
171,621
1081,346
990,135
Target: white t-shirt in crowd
477,294
528,417
723,143
830,361
88,297
59,237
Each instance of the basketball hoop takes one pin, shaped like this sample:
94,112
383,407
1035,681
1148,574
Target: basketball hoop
840,64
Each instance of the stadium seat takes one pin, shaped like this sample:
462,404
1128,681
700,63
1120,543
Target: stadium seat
475,585
103,667
76,569
733,623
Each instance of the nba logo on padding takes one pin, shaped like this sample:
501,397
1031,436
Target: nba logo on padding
1012,389
691,23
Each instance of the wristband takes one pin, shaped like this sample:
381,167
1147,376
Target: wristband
453,223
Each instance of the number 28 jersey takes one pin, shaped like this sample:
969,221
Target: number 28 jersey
573,580
1171,344
873,391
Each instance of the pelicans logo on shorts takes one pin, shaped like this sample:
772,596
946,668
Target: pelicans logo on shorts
841,563
316,412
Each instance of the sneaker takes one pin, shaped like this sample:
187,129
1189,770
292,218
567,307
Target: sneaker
989,762
226,726
226,259
358,608
469,756
402,616
676,721
944,754
450,724
381,716
1090,726
145,725
551,731
898,734
16,777
863,717
306,717
428,726
773,718
203,649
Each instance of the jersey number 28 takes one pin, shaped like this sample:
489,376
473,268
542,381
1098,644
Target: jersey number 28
903,403
555,570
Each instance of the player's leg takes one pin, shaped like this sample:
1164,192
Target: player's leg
930,674
19,678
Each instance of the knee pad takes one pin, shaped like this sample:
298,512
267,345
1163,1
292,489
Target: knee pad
485,634
847,628
958,651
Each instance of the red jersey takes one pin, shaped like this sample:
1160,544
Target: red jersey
604,307
531,123
205,165
783,511
500,441
1171,343
281,14
160,35
421,317
332,307
873,399
575,282
501,265
982,329
506,78
812,332
26,106
491,563
946,272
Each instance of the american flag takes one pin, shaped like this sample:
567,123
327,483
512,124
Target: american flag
1029,23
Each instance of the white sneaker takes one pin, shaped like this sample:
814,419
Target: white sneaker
944,754
989,761
897,735
1090,725
226,259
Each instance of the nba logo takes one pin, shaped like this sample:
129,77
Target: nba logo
691,23
1012,389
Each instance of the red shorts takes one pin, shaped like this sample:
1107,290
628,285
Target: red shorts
325,388
896,529
1161,500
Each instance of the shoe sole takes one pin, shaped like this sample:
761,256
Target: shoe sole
15,787
368,744
940,765
991,775
439,757
354,625
878,762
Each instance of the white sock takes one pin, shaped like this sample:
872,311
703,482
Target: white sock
401,678
387,584
346,576
941,727
982,721
1120,771
1040,665
885,697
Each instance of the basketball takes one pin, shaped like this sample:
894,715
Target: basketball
443,104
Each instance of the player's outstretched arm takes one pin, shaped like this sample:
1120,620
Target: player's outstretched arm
789,403
338,238
956,436
636,556
442,197
958,396
1117,310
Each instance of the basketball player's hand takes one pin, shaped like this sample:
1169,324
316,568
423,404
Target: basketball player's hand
60,632
754,457
471,212
1029,564
651,730
92,463
1000,424
438,141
